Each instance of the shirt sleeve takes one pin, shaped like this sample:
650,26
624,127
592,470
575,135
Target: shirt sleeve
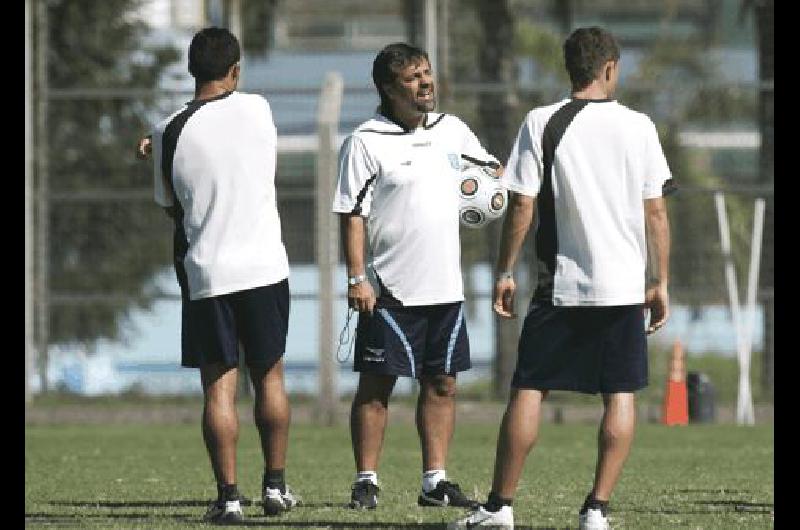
162,189
357,172
656,170
523,172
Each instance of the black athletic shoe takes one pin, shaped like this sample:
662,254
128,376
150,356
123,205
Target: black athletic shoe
364,495
446,494
224,512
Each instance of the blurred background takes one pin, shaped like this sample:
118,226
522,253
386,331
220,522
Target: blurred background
102,302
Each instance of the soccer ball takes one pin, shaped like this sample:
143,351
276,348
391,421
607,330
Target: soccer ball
483,198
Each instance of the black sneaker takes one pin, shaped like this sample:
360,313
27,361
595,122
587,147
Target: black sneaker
446,494
364,495
224,512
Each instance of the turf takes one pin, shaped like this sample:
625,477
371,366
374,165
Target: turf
143,476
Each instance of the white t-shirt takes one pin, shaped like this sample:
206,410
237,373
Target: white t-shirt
222,153
406,185
607,160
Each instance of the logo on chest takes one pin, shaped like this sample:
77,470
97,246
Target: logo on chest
455,161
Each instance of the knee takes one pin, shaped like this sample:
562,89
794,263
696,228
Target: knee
618,433
441,386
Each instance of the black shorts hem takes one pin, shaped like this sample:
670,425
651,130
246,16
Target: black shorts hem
583,389
406,373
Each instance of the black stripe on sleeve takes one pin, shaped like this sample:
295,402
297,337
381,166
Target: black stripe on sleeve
483,163
361,194
669,187
547,233
169,143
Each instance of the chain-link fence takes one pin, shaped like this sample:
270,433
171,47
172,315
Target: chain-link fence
104,296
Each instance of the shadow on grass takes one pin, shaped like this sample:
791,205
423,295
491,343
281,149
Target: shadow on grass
708,507
259,521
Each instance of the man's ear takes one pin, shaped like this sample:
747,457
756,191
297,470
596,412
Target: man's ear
234,72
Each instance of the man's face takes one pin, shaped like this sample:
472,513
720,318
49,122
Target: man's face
412,91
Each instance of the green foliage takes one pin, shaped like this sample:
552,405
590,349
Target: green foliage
112,245
680,92
126,476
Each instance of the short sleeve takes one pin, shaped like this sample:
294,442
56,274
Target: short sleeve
523,172
357,172
656,170
162,189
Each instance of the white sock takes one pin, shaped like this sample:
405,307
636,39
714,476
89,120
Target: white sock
431,478
368,476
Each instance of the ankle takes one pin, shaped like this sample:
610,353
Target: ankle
495,502
274,479
227,492
592,502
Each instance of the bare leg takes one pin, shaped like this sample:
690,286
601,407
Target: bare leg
518,433
271,414
436,414
614,441
220,420
368,416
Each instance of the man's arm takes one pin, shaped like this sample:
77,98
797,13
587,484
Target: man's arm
144,148
516,223
658,239
360,296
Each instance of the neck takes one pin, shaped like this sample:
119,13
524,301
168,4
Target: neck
595,90
410,121
211,89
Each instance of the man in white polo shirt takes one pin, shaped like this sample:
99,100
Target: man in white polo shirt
398,197
596,173
214,164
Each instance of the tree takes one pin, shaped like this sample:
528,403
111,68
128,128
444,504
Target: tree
106,238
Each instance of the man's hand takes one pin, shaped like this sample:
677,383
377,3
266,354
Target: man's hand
144,148
656,299
504,289
361,297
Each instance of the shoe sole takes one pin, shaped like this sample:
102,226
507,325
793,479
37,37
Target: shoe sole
422,500
273,507
226,520
358,506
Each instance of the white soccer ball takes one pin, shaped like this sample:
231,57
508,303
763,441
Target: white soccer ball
483,198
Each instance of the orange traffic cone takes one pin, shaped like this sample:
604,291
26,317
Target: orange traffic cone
676,398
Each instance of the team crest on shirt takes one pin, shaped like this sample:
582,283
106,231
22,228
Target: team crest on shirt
455,160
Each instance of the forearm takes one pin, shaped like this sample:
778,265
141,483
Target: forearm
354,234
658,240
516,223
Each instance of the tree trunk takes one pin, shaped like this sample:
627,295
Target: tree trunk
765,25
494,108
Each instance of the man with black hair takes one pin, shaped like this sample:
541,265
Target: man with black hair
214,165
596,174
398,197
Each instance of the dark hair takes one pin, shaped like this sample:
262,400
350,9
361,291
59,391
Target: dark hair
586,50
212,53
389,59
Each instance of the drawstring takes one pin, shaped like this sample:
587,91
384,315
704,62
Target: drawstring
346,338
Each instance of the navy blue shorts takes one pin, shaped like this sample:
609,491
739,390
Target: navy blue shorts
258,319
412,340
584,349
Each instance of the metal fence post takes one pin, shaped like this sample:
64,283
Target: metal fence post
43,192
29,256
327,239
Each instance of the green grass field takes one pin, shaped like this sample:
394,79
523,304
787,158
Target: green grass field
156,476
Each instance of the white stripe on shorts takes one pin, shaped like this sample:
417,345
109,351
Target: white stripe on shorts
389,320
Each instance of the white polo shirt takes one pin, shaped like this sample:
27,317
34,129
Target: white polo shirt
604,160
217,158
405,183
